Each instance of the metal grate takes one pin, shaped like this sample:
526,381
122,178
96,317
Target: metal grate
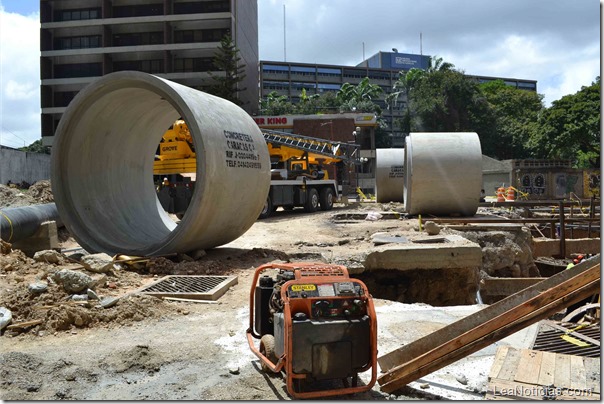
204,287
550,340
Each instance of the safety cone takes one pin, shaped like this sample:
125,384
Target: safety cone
500,194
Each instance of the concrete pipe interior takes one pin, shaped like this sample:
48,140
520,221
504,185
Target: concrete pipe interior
389,175
443,173
102,167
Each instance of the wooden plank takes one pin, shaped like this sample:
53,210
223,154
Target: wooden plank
577,373
500,355
529,307
409,372
548,367
562,372
433,340
508,369
592,374
529,366
506,286
507,389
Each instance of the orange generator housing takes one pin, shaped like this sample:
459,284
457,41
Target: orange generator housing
315,323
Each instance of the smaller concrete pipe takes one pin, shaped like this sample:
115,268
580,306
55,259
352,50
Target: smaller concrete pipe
389,175
443,173
102,167
21,222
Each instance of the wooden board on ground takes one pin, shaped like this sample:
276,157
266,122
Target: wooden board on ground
532,375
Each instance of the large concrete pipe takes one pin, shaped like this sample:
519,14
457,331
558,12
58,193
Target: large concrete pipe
443,173
389,175
21,222
102,167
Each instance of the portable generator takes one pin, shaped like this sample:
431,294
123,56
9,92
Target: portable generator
315,323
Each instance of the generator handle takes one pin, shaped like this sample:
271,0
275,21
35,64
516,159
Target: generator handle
275,368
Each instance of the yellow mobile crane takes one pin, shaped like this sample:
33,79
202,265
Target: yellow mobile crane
297,175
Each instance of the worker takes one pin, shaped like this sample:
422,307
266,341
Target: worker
482,195
165,183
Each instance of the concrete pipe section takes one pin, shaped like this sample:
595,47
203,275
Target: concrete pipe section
389,175
102,167
443,173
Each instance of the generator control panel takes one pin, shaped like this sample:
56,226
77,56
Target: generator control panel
329,299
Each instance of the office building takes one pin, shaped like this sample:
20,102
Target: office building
81,40
383,68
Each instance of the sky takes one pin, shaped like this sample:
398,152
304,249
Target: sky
556,42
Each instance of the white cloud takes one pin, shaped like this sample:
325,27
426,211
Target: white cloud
20,91
19,78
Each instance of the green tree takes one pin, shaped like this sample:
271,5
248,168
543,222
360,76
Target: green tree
570,128
227,84
36,147
514,113
275,104
359,98
442,100
401,88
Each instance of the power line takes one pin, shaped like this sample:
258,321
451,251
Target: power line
19,137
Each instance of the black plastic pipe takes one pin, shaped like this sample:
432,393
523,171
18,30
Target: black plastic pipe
22,222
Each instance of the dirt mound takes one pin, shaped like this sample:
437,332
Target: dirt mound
41,192
56,310
38,193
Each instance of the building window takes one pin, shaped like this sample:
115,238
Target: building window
147,66
329,72
202,7
206,35
305,86
275,85
62,99
303,70
77,14
138,10
275,69
189,65
78,70
142,38
78,42
322,87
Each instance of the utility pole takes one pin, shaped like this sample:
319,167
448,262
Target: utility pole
284,37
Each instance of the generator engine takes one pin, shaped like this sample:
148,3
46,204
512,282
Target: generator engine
315,323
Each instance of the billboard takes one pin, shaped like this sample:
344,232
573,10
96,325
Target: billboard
407,61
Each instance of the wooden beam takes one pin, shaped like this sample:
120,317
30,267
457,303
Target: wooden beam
410,372
496,323
439,337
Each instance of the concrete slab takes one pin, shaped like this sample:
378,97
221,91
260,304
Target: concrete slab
45,238
454,252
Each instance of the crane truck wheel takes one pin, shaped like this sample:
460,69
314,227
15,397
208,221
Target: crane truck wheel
312,200
267,209
326,199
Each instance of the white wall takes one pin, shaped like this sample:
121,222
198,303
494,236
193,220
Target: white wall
18,166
